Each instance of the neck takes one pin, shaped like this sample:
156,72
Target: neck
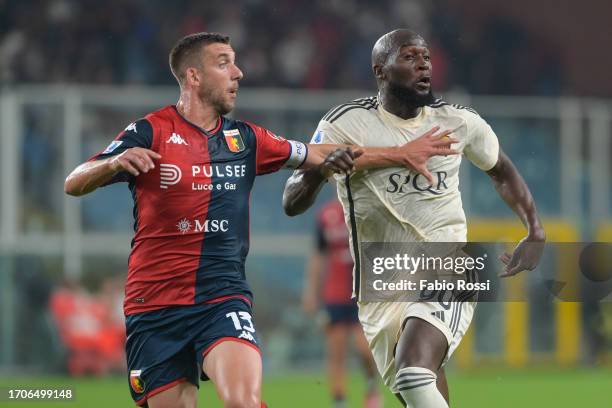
399,108
197,111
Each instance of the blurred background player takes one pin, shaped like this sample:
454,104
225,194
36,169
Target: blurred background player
329,277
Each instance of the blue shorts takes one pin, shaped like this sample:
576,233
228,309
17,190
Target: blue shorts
343,313
167,346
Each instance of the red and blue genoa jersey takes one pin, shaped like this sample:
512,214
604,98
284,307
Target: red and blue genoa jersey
192,211
333,240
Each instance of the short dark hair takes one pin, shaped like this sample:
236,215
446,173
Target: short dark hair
188,47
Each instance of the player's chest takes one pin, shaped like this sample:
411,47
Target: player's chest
195,162
389,134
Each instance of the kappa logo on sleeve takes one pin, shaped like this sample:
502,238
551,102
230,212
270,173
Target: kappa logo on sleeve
234,140
111,147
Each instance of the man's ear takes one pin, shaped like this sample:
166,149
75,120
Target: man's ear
192,76
378,72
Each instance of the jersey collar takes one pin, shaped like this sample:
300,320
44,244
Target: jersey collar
208,133
404,123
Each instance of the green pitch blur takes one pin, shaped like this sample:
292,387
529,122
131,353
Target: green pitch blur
475,389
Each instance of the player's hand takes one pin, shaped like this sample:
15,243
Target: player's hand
339,161
414,154
525,257
135,161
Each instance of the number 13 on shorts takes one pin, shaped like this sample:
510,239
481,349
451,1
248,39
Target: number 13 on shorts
243,323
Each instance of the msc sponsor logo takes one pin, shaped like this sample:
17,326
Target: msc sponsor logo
169,175
185,225
402,182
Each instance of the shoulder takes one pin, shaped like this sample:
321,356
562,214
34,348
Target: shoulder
167,113
138,133
248,129
141,126
348,111
453,111
242,125
440,106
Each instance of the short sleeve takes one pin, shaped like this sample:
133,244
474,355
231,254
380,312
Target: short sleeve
327,133
482,147
275,152
137,134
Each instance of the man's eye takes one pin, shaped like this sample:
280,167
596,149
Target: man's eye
427,58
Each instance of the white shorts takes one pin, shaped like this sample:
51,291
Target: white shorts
382,324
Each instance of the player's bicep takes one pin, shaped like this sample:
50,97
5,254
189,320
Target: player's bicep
275,152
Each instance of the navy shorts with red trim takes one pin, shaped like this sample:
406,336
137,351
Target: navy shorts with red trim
167,346
343,313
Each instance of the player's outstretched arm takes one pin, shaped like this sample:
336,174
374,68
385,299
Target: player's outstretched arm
302,188
514,191
92,174
304,185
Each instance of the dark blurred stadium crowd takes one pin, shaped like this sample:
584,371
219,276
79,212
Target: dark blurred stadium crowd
290,43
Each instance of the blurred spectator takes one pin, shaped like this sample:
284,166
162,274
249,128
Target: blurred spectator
297,43
90,327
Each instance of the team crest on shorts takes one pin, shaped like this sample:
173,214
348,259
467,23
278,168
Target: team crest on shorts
136,382
234,140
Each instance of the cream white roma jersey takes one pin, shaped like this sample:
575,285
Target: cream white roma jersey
395,204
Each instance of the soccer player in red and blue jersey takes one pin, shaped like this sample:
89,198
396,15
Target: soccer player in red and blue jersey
190,170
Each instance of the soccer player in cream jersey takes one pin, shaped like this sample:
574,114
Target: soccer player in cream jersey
409,343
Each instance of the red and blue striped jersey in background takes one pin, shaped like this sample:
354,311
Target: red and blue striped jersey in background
333,241
192,211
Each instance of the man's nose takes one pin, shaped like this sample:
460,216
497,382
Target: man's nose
237,74
423,64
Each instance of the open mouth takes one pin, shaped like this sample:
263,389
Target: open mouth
424,82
